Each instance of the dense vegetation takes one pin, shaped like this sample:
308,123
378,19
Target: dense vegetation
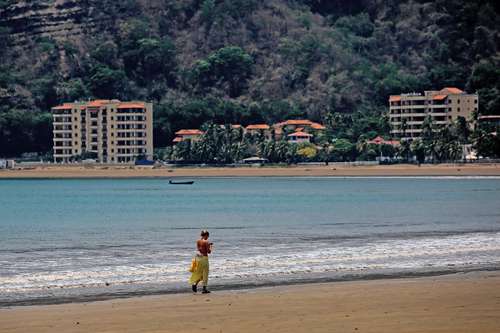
247,61
225,144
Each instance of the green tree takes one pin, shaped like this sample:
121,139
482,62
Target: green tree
418,149
325,154
152,59
228,68
107,83
344,150
208,13
307,151
428,137
405,150
486,144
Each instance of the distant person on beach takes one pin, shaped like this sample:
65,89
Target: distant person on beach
200,269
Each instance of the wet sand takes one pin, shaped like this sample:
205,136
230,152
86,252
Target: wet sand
453,303
340,170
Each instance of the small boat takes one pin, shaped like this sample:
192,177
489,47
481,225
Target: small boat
181,182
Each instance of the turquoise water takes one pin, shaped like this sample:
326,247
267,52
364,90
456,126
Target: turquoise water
72,239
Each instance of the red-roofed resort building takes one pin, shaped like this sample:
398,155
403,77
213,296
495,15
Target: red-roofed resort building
444,106
297,125
299,137
115,131
187,134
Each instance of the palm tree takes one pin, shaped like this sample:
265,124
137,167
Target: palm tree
404,127
326,152
281,150
428,137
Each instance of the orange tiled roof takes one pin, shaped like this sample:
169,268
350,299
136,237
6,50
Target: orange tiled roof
188,132
300,134
380,140
177,139
394,98
298,122
65,106
258,127
132,105
317,126
451,90
97,103
439,97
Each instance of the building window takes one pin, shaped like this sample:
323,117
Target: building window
112,118
112,134
76,126
475,101
458,101
112,126
76,118
458,109
112,150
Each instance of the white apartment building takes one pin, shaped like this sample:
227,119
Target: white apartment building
115,131
444,106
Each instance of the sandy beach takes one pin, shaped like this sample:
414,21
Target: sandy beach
340,170
453,303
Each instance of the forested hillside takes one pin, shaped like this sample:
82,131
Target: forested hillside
240,61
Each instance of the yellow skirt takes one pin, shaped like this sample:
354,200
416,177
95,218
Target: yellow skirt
200,272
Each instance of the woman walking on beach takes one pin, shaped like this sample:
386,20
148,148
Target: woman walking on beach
200,269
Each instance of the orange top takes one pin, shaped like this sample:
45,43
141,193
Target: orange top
203,246
394,98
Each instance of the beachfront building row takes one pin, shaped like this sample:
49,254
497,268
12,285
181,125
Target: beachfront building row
295,131
407,112
111,130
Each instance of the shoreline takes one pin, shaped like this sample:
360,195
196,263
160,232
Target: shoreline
231,287
462,302
332,170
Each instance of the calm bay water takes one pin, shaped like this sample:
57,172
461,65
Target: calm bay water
75,239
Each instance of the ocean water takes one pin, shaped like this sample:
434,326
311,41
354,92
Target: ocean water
65,240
